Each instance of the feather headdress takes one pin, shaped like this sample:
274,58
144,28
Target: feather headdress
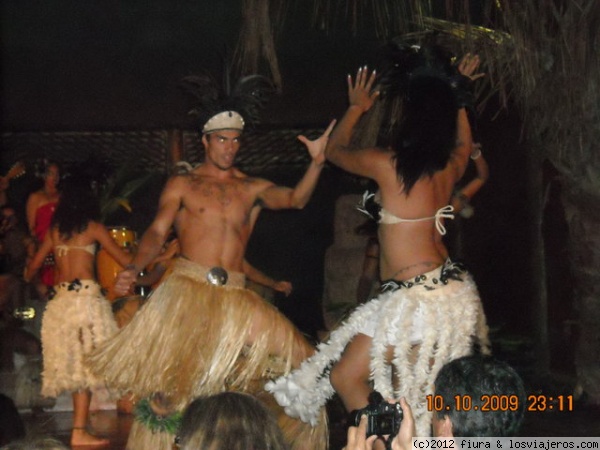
421,91
227,107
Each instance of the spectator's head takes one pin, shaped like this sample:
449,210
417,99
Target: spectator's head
229,421
8,218
481,397
37,443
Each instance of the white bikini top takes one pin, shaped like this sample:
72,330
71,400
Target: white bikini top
370,205
62,250
446,212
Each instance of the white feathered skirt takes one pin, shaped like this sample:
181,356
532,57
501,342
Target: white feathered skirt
444,318
76,320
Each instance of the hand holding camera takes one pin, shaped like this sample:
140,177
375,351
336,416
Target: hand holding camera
383,418
395,416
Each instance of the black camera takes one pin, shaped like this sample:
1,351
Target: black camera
382,417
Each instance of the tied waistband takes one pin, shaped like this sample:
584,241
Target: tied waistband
429,281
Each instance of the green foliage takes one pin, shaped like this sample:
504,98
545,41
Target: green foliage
121,187
155,422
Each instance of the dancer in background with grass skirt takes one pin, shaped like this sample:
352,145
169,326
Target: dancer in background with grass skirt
78,317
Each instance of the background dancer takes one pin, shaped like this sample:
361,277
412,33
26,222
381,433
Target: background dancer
77,317
429,310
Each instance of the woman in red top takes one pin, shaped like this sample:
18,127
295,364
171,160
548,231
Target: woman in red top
41,205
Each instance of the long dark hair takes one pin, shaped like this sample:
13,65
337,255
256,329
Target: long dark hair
420,110
78,206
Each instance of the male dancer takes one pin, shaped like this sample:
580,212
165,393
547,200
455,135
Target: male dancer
201,332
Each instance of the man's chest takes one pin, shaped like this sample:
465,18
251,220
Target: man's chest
206,195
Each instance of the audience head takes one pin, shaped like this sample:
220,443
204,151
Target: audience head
48,171
229,421
8,218
38,443
479,380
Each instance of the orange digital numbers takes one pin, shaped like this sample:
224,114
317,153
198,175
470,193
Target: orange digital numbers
495,402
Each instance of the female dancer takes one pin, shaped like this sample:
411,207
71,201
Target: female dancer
40,208
77,317
428,311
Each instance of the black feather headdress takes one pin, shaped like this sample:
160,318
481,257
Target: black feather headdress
420,93
208,99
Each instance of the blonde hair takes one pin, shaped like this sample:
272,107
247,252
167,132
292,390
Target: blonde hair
229,421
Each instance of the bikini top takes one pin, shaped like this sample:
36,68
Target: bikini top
373,209
62,250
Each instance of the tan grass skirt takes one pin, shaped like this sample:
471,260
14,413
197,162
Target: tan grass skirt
76,320
192,338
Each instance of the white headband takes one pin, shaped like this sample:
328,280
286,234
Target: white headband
226,120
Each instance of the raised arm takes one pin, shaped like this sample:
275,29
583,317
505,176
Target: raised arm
363,162
281,197
464,144
467,67
461,199
483,172
153,239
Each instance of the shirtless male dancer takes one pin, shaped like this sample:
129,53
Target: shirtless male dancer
201,332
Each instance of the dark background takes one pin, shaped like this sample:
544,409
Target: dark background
110,65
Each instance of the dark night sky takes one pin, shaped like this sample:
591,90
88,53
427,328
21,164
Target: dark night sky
109,64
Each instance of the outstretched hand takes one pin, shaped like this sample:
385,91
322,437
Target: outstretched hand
285,287
316,148
468,65
359,91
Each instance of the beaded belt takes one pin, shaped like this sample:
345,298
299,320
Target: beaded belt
449,271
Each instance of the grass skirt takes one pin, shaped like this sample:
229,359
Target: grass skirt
191,338
76,320
452,320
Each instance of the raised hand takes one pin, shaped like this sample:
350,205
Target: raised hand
316,148
468,65
359,91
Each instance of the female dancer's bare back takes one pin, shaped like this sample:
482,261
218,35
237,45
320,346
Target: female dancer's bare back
397,341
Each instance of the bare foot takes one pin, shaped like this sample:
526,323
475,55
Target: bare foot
81,437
